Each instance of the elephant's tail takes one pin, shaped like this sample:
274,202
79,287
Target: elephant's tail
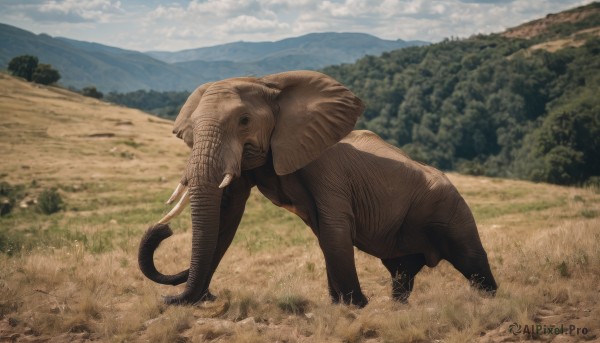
152,238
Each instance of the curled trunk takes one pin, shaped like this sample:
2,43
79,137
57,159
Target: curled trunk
151,240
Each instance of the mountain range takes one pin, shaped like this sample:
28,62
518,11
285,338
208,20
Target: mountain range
83,64
318,48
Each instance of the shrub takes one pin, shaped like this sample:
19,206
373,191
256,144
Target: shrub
92,92
9,196
470,167
49,201
45,75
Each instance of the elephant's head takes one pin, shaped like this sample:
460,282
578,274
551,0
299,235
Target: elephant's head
231,126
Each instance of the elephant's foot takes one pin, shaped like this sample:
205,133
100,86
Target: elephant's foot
354,298
401,287
188,299
403,270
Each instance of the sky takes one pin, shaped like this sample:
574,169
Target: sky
173,25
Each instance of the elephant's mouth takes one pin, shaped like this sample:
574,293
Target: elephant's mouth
178,133
181,192
253,156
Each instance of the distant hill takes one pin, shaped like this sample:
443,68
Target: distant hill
316,49
521,104
83,64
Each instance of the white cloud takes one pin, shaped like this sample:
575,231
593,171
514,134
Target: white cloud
245,23
180,24
168,12
72,11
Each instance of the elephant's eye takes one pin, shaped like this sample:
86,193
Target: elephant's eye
244,120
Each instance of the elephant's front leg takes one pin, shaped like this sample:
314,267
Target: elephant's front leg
335,239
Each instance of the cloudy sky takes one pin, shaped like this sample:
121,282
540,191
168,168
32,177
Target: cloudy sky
175,24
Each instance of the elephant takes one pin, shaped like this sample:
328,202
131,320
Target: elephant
291,135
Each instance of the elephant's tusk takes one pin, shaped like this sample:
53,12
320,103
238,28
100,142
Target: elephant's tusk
177,193
176,210
226,180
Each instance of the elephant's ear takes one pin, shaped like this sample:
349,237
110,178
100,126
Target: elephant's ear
183,123
315,112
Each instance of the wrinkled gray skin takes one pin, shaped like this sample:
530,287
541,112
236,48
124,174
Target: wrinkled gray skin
290,135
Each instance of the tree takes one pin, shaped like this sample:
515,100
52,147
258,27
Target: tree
92,92
23,66
45,75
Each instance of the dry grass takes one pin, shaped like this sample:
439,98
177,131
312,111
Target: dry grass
540,26
575,40
73,276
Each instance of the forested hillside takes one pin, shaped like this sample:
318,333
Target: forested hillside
493,105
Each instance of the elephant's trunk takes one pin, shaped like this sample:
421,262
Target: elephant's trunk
152,238
205,171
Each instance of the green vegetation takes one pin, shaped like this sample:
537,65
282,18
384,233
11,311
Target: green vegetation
49,201
49,225
487,105
163,104
28,68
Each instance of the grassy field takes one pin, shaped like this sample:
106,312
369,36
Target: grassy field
72,276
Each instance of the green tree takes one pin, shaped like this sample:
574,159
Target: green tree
45,75
23,66
569,144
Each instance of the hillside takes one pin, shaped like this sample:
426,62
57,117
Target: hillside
493,104
565,23
83,64
66,136
72,276
319,48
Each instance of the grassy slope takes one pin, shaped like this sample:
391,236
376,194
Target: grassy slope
73,275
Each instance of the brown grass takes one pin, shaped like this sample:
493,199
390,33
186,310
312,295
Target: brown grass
73,275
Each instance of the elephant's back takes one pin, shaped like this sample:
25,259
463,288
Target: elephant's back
370,143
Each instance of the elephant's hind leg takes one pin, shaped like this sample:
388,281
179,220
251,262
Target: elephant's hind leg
403,270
